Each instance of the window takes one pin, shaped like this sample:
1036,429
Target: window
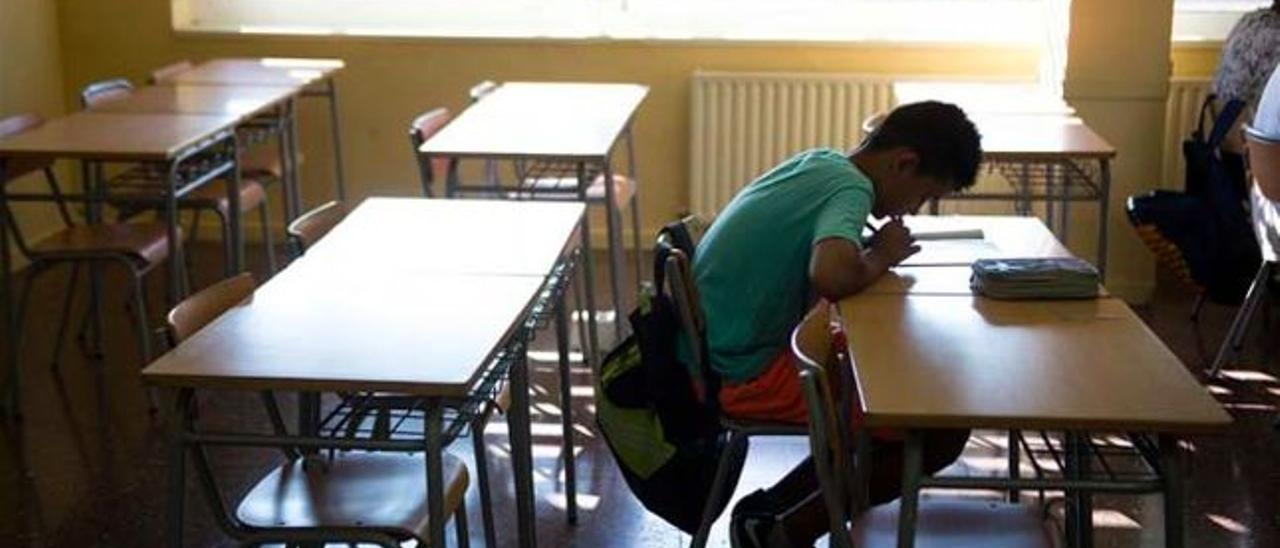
1209,20
968,21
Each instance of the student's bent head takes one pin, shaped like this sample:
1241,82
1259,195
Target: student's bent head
919,152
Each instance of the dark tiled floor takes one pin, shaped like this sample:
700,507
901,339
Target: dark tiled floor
86,465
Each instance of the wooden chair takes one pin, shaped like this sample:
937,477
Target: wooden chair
950,523
138,247
308,228
1263,157
139,189
356,496
420,129
684,293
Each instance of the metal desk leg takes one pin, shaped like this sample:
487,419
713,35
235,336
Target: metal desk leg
588,268
614,222
1174,513
1104,202
1015,464
1079,510
12,403
566,411
522,449
174,292
1050,208
295,175
912,469
1065,196
636,236
585,342
234,218
435,471
336,127
178,423
288,163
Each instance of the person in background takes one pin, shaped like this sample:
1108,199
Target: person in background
1249,55
1266,213
792,240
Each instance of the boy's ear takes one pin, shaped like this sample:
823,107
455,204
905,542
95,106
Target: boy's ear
905,162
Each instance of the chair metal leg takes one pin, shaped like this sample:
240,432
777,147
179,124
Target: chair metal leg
143,331
730,463
460,525
1230,348
1197,307
266,236
65,319
482,477
635,238
584,342
20,320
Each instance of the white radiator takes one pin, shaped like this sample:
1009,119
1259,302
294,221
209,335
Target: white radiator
744,123
1180,115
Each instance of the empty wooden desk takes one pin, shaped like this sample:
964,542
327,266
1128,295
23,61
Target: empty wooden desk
574,123
304,76
947,361
348,317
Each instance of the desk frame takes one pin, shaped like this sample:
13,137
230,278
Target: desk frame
550,300
94,192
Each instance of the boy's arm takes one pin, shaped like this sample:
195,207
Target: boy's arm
838,268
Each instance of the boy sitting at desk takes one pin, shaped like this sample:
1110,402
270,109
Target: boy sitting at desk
793,237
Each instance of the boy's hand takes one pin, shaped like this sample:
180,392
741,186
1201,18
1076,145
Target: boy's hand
894,242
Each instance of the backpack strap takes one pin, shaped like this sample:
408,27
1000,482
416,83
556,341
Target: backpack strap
1225,120
1205,108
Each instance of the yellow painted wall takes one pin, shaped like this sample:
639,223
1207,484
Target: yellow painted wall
1118,72
388,81
1195,59
30,81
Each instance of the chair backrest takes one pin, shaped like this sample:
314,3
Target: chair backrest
819,368
1264,162
307,229
478,91
198,310
169,71
104,91
421,129
677,276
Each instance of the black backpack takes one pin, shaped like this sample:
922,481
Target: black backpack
662,427
1204,233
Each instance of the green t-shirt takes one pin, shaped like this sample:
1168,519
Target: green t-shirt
752,266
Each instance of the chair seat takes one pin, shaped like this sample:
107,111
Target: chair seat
145,243
381,491
623,188
951,523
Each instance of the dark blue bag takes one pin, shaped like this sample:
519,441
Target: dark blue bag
1204,234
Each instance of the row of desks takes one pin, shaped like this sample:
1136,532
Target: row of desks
412,296
927,353
170,125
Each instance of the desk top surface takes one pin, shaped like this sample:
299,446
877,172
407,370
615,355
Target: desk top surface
962,361
549,120
425,236
106,136
264,71
239,101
